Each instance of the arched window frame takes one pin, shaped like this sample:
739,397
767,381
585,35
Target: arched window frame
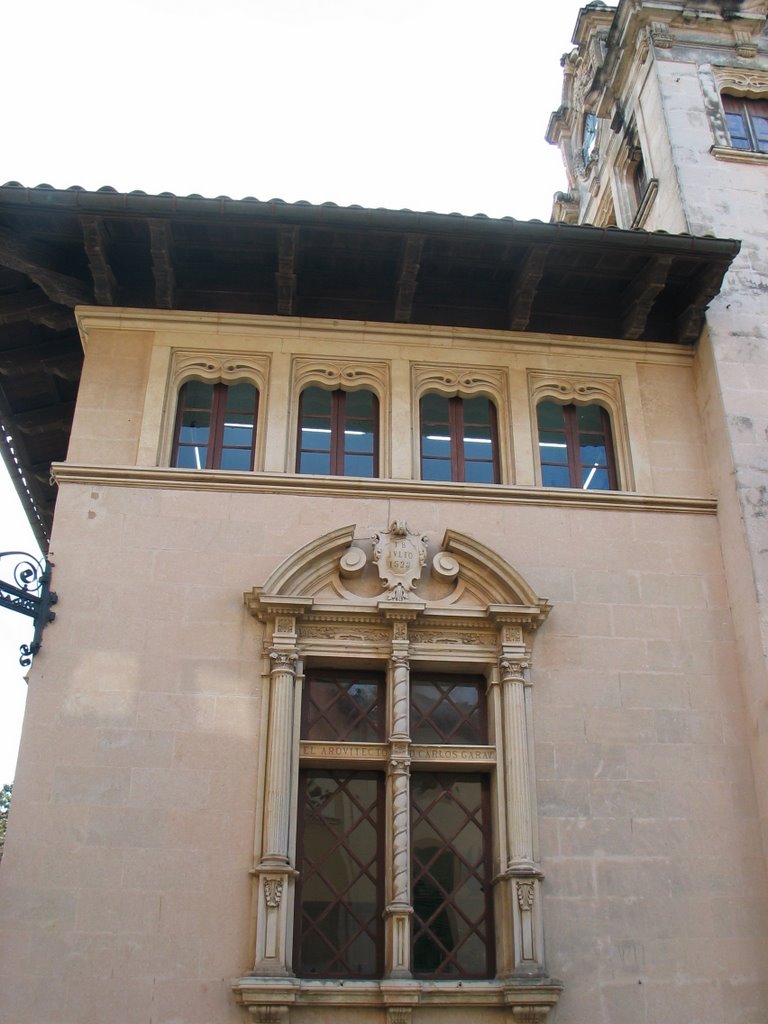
582,389
463,381
218,368
745,83
342,375
473,613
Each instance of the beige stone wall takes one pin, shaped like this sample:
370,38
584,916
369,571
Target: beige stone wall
126,879
664,440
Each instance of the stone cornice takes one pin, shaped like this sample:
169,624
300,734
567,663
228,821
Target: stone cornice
228,328
354,487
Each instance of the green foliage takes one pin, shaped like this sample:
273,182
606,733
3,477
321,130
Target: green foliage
5,802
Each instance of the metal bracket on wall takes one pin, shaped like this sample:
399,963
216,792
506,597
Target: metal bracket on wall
29,594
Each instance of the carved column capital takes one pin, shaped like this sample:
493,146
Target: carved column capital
283,661
513,670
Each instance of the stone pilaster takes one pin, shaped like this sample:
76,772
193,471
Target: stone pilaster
274,873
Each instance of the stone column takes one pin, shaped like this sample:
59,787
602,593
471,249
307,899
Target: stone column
398,913
275,873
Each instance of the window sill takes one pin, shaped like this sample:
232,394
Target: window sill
738,156
153,477
537,994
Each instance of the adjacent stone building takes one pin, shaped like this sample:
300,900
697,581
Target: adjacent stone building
410,653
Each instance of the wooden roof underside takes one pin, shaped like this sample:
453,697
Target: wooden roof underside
60,249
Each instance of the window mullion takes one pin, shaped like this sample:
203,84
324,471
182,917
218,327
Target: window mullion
572,444
457,438
216,439
337,432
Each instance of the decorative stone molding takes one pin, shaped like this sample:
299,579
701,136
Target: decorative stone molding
660,35
488,619
454,380
229,367
400,555
741,81
273,891
586,389
349,375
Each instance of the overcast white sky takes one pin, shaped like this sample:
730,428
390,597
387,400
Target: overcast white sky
426,104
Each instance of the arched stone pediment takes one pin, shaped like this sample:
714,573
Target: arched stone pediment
398,567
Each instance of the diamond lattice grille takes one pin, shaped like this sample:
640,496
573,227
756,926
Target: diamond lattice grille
343,706
445,710
452,919
339,903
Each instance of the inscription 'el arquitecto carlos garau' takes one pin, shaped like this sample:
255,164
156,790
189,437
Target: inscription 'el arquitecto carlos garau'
379,752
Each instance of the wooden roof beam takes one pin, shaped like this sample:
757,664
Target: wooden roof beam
690,321
95,241
407,277
522,294
35,261
285,278
33,305
160,239
639,296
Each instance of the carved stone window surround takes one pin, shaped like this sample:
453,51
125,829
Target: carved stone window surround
586,389
749,82
349,375
462,380
214,367
491,620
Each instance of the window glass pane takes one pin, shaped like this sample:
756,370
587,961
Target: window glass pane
760,126
316,402
241,398
555,476
552,447
447,710
595,479
314,462
191,457
592,454
737,129
236,459
315,435
477,410
479,473
238,430
343,706
358,465
359,405
550,416
434,410
358,436
589,417
339,906
436,444
435,469
452,913
197,395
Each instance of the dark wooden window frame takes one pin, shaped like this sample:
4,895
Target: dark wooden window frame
456,435
449,969
575,467
338,424
216,430
746,108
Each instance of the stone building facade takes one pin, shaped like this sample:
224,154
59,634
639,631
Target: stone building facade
410,666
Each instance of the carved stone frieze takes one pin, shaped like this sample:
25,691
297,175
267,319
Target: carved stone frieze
350,374
315,631
219,366
512,634
429,636
741,82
